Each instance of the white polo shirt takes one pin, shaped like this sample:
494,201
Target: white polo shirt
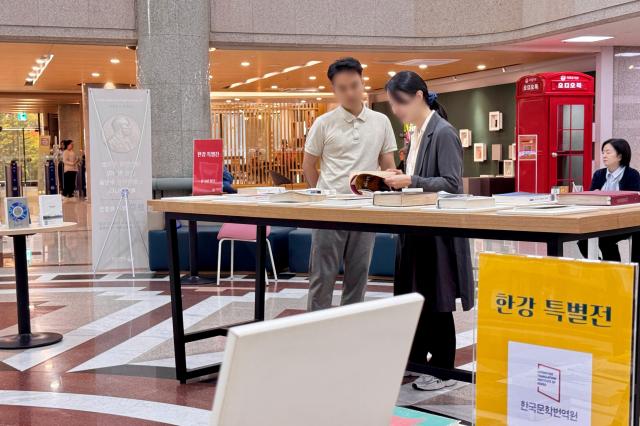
346,143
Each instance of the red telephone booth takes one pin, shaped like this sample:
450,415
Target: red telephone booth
554,112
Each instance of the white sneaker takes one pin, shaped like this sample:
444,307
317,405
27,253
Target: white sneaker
431,383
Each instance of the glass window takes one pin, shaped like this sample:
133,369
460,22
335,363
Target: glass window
576,169
577,117
577,140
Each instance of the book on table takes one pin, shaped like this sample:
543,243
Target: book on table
404,198
369,181
17,212
50,209
599,198
518,198
303,196
466,202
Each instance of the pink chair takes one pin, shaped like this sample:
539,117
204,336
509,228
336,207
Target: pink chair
239,232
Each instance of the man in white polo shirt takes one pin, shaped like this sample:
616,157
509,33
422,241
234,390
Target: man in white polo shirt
349,138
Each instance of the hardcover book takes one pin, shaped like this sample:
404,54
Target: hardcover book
369,181
296,197
50,210
466,202
404,199
17,212
599,198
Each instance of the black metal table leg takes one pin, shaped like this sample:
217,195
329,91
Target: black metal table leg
555,247
25,339
261,257
176,301
194,276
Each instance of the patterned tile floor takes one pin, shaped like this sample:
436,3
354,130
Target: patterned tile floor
115,363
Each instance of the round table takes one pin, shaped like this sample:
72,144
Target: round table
25,338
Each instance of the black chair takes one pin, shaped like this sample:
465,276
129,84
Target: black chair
278,180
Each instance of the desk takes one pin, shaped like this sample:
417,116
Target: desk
552,230
25,338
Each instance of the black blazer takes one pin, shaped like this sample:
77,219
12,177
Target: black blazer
630,180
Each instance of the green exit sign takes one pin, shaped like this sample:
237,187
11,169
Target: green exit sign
22,116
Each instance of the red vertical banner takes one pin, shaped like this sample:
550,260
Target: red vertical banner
208,164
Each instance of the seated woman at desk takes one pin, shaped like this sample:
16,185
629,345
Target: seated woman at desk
439,268
617,175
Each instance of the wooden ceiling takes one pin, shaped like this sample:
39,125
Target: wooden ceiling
73,65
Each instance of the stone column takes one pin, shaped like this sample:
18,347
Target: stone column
626,100
173,63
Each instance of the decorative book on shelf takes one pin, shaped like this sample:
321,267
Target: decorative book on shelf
369,181
599,198
404,199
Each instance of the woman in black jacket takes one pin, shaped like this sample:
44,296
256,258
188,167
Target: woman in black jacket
617,175
439,268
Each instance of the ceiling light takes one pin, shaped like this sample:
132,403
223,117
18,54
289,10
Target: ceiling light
236,99
365,78
482,67
251,80
302,101
318,99
270,74
504,69
293,68
35,68
245,63
41,63
29,79
210,76
109,85
33,74
228,101
364,65
631,67
391,73
274,87
232,85
212,49
423,66
367,87
586,39
312,63
114,60
95,74
312,77
627,54
320,87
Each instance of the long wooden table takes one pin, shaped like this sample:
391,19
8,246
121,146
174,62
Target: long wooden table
552,230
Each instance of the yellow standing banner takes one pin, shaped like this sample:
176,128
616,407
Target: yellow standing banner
555,341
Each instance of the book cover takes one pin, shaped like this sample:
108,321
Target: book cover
50,210
17,212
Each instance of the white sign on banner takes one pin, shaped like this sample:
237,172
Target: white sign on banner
120,166
548,386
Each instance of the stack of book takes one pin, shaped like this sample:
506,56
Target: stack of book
404,199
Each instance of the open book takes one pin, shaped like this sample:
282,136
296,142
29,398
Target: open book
369,181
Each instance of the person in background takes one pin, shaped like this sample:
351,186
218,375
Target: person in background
402,156
439,268
349,138
70,160
617,175
227,181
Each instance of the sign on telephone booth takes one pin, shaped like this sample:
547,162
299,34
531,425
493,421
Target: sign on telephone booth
554,114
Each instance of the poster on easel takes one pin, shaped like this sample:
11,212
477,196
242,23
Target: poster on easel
553,348
208,164
120,167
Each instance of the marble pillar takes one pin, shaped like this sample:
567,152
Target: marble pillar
626,99
173,63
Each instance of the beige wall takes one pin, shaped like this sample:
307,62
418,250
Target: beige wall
70,124
406,23
319,23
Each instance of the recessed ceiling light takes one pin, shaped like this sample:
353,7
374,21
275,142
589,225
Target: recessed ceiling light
587,39
95,74
210,76
40,61
33,74
423,66
228,101
627,54
482,67
212,49
236,99
364,65
302,101
320,87
365,78
274,87
114,60
367,87
312,77
318,99
245,63
391,73
35,68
